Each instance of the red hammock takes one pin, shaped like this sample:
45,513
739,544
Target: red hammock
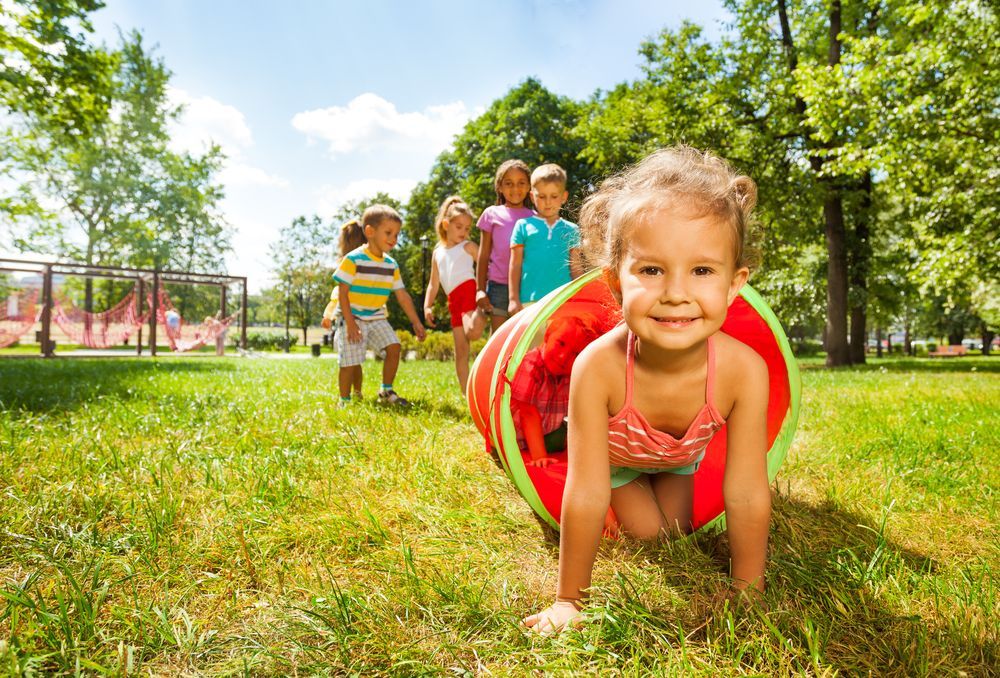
17,316
185,336
99,330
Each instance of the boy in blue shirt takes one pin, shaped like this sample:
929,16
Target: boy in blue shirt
544,249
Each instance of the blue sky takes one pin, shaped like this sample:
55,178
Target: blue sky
320,102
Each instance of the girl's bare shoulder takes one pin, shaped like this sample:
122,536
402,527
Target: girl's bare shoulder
603,357
737,365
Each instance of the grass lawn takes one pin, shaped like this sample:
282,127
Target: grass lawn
221,517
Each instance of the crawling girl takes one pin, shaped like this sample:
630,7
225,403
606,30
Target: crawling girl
646,398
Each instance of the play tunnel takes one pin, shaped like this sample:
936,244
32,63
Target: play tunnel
749,319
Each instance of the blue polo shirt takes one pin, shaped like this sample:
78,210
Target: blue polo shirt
546,254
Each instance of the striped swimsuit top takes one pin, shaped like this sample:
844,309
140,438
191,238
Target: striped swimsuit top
634,443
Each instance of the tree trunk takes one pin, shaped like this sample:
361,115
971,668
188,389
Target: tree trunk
907,339
888,341
987,340
859,258
835,335
837,350
878,341
955,338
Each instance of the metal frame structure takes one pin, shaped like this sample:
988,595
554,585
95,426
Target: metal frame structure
142,276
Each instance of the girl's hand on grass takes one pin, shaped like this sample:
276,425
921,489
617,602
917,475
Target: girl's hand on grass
554,618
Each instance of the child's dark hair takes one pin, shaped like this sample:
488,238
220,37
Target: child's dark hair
681,174
376,214
506,166
352,236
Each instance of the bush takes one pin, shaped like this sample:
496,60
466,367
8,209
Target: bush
265,341
407,343
805,348
477,346
437,345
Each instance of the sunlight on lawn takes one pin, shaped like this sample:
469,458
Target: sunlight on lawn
220,516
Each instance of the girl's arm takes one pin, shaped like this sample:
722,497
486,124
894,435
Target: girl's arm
514,278
431,293
403,297
482,270
745,487
586,497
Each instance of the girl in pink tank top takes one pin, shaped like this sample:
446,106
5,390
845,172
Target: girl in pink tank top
647,397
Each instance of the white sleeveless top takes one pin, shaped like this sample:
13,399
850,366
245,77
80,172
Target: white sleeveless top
454,265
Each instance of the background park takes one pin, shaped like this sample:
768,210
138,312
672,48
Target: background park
190,514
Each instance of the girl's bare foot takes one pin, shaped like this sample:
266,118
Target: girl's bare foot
554,618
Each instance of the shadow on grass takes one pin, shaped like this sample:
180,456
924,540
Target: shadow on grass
840,596
449,410
838,587
39,385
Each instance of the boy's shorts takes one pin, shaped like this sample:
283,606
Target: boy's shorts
623,475
499,296
462,300
375,334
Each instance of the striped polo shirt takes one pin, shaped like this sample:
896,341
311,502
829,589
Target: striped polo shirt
371,279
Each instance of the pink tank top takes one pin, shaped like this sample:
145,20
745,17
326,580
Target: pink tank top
634,443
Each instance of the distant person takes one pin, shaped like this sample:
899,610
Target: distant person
512,184
352,236
647,397
452,266
173,319
544,249
222,327
365,277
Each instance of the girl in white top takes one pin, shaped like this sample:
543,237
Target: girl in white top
452,268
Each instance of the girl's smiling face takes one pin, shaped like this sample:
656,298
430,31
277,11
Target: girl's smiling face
457,228
514,187
678,276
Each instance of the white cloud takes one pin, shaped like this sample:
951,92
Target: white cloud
239,174
331,198
369,121
205,120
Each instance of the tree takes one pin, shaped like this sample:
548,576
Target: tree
302,256
863,123
119,195
48,67
530,123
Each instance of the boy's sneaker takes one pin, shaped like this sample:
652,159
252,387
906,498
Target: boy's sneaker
390,397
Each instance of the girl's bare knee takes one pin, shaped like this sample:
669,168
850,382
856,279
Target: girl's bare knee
646,530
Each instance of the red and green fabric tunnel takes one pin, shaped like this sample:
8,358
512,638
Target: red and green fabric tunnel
749,319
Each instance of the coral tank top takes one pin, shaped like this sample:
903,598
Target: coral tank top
634,443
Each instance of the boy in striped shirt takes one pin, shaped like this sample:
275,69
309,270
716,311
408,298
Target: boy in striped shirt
364,278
